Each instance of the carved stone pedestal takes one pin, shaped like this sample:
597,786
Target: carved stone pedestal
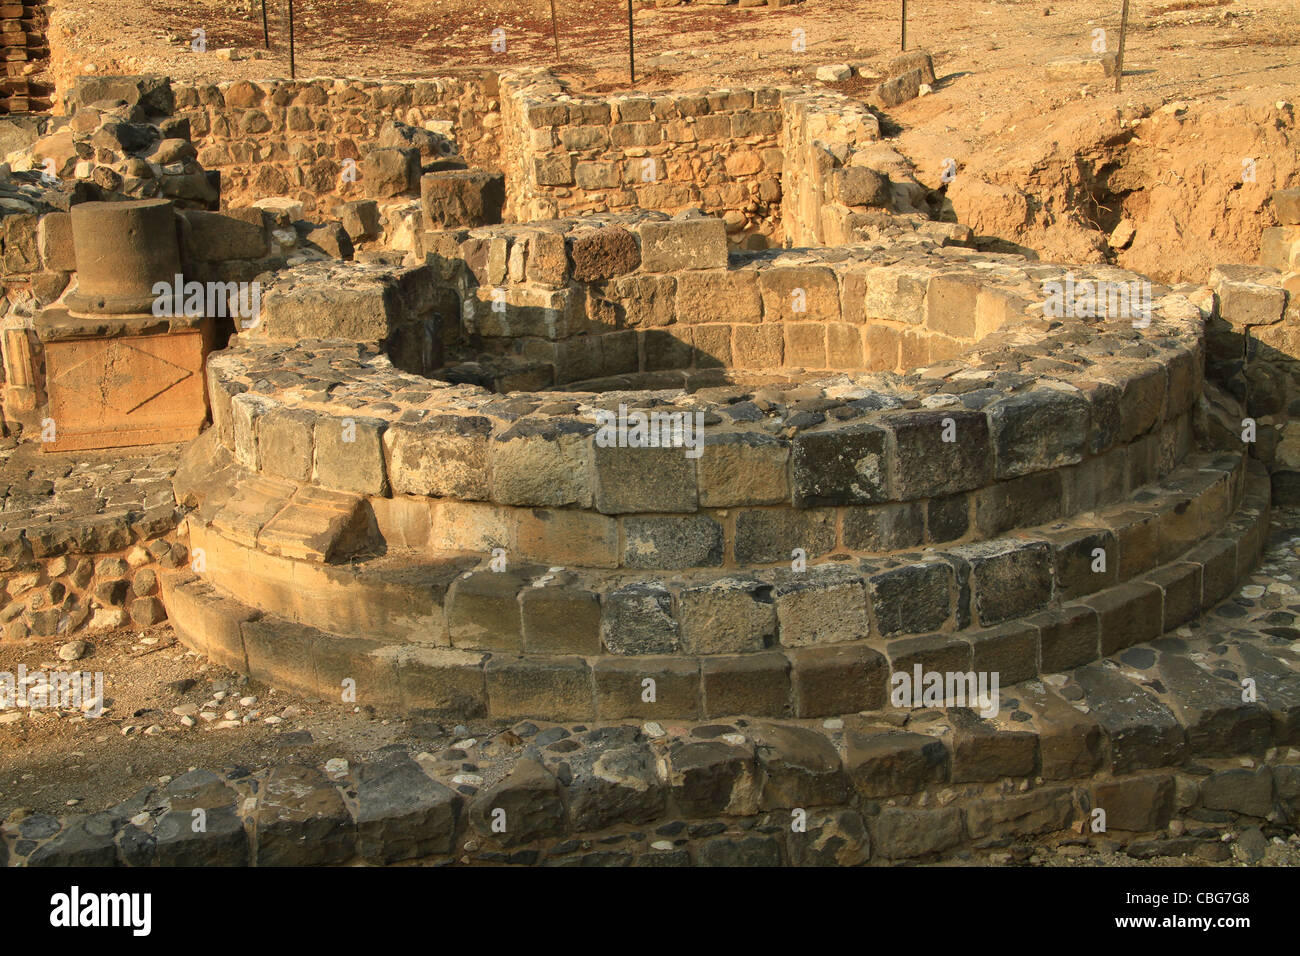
115,373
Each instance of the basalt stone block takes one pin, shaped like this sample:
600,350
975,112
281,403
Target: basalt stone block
945,653
1136,804
848,465
349,454
1018,503
801,768
216,237
981,752
603,253
940,452
765,537
1239,791
747,851
530,799
884,527
911,599
301,820
613,785
1143,732
638,619
391,171
837,679
1009,579
1009,650
824,605
683,244
889,762
946,519
1127,614
1039,429
1246,296
1085,560
401,813
727,616
691,541
903,834
1218,722
1181,587
644,479
1025,814
709,778
461,197
1278,687
445,456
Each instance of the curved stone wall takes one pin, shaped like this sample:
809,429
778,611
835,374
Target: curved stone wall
453,548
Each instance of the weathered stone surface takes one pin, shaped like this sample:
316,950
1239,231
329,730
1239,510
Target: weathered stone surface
401,813
638,619
1143,732
523,807
902,834
890,762
727,616
847,465
710,778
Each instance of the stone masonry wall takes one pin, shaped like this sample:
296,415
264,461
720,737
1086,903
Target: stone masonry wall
567,155
285,138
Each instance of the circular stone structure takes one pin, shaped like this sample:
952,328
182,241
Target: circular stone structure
1034,494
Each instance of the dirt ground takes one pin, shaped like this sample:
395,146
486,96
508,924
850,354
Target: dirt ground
52,760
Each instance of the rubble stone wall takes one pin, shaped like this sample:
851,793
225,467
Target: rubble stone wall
292,138
571,155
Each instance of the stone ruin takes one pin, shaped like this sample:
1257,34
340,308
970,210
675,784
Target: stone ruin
535,450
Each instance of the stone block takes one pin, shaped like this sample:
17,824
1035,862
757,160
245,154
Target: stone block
683,244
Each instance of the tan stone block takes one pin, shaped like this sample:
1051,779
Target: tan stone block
404,521
883,346
915,350
566,537
743,468
472,526
646,688
712,344
805,345
757,346
799,294
843,346
950,305
718,295
558,688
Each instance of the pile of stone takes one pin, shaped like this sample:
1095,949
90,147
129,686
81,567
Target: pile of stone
122,138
